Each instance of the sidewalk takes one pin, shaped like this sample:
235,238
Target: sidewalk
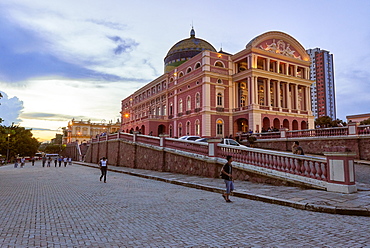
305,199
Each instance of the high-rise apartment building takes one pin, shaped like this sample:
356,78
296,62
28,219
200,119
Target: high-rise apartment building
322,90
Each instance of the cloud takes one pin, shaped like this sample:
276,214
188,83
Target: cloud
123,46
10,109
41,42
109,24
352,94
51,116
27,57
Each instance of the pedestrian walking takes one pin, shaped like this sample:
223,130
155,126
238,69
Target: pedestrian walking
23,161
33,161
69,161
103,165
60,159
65,160
16,163
55,161
49,161
297,149
43,161
227,175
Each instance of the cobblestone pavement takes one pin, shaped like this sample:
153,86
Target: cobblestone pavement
70,207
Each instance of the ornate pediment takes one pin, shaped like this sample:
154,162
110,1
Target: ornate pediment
279,47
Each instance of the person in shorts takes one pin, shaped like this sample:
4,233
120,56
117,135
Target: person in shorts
227,175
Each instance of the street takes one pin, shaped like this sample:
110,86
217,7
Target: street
70,207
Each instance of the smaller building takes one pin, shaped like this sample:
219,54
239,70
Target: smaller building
357,118
82,131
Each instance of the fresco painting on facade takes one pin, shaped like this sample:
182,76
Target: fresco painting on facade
265,86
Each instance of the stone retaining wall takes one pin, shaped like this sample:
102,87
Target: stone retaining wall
142,156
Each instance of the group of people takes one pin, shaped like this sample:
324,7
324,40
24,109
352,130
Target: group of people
20,161
57,160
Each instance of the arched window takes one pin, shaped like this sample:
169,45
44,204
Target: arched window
171,132
197,128
219,81
219,99
171,109
219,64
197,100
180,130
220,127
180,106
188,128
197,65
188,103
181,74
188,70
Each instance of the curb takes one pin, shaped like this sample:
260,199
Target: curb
251,196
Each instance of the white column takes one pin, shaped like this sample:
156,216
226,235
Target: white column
255,83
307,98
286,69
278,103
295,96
295,71
250,90
288,97
268,96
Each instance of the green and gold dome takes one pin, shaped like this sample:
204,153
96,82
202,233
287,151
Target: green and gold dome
184,50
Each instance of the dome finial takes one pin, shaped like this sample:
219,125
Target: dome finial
192,32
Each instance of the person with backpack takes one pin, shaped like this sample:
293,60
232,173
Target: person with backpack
227,175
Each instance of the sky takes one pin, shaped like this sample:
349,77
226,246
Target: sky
79,58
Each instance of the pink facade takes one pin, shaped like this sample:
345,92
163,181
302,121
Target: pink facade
215,94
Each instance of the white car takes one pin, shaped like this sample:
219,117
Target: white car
191,138
230,142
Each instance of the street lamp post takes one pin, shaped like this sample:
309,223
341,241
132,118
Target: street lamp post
7,150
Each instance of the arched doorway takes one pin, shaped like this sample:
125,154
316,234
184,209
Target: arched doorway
161,129
286,123
295,125
142,129
241,125
304,125
276,124
266,124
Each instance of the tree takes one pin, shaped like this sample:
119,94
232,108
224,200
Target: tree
52,148
365,122
323,121
1,96
326,121
18,141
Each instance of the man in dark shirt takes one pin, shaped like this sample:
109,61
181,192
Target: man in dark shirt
227,175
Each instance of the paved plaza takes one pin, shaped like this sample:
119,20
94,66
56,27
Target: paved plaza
70,207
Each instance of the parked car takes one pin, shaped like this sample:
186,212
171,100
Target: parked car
191,138
202,140
230,142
